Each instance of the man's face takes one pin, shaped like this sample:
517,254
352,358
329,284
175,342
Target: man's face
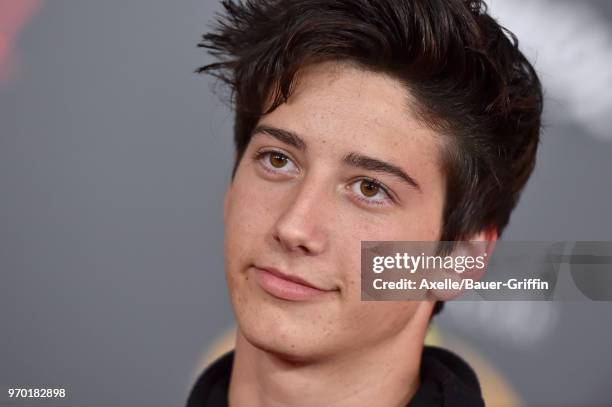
344,160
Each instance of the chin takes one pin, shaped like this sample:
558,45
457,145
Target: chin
283,336
294,352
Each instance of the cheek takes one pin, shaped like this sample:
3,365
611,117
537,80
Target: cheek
251,213
421,224
373,321
348,233
243,223
248,209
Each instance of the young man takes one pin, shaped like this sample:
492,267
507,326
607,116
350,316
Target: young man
359,120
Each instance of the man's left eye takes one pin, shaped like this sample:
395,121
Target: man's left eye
278,160
371,192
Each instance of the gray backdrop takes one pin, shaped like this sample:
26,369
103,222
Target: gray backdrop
113,161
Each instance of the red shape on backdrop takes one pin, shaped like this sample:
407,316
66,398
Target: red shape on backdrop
14,14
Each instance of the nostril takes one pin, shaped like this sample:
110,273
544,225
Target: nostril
303,249
291,246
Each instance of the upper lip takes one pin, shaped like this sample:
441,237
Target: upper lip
289,277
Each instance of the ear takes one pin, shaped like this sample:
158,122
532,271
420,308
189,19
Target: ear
479,245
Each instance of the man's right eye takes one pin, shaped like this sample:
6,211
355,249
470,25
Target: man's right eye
276,162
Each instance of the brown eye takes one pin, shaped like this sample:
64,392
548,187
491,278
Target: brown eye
368,188
278,160
276,163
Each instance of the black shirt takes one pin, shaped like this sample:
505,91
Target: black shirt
446,380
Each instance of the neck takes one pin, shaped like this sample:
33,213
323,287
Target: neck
385,374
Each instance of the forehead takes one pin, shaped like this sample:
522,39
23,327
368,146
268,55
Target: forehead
338,107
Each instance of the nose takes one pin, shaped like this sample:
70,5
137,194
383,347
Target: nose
303,224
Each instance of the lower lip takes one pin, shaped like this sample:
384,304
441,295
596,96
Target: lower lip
284,289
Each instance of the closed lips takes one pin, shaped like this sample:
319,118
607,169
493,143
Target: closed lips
291,278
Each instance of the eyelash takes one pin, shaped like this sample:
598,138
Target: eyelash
262,154
260,157
388,199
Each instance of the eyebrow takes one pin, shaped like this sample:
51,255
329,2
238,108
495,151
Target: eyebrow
284,136
373,164
353,159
